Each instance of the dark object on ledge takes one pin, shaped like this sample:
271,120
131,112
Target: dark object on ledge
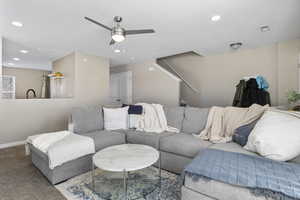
248,93
237,100
27,93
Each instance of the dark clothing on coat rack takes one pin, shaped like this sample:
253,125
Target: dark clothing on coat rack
237,100
251,94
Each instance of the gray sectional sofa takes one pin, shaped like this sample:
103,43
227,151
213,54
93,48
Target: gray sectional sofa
177,149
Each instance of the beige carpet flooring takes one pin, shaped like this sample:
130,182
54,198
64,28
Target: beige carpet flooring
20,180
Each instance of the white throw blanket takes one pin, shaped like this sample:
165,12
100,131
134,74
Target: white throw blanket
222,121
154,119
62,147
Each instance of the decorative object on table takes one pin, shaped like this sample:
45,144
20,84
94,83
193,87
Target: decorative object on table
79,188
293,98
56,75
56,85
45,91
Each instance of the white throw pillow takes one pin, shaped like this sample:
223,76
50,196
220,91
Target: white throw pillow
115,118
276,136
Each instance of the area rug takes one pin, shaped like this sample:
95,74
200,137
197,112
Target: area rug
142,185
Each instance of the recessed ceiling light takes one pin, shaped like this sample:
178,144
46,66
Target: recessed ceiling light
17,24
10,64
265,28
117,50
24,51
16,59
215,18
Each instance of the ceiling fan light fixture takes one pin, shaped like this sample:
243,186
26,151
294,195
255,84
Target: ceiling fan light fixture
118,38
118,34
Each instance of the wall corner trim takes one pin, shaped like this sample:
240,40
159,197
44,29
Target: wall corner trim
167,72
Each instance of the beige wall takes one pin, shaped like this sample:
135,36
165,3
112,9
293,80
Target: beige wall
92,79
217,75
288,75
1,48
21,118
26,79
151,86
66,65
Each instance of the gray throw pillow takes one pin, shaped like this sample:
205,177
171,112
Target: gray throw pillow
87,119
242,133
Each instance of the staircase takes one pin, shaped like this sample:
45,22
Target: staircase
163,62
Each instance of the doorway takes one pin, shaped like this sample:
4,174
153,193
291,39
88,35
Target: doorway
121,88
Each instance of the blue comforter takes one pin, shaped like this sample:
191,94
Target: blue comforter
275,179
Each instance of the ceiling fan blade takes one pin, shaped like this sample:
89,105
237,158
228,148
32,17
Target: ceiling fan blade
98,23
112,42
143,31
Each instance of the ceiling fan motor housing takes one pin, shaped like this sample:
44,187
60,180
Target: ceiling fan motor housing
117,31
117,19
118,34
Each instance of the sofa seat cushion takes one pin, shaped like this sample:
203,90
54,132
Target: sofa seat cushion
146,138
174,116
194,120
232,147
183,144
105,139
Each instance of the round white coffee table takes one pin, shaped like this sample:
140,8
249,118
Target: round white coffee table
125,158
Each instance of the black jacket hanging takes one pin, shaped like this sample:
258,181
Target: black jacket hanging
237,100
252,94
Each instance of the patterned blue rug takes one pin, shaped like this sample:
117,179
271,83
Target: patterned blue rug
142,185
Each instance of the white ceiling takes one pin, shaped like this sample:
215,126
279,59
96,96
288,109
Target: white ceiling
34,59
56,27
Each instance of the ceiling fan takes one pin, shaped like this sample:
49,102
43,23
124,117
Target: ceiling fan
118,33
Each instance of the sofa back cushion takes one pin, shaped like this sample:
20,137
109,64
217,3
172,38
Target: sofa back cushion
174,116
87,119
194,120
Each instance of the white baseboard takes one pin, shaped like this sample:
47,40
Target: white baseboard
11,144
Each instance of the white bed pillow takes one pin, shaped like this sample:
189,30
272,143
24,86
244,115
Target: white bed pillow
276,136
115,118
